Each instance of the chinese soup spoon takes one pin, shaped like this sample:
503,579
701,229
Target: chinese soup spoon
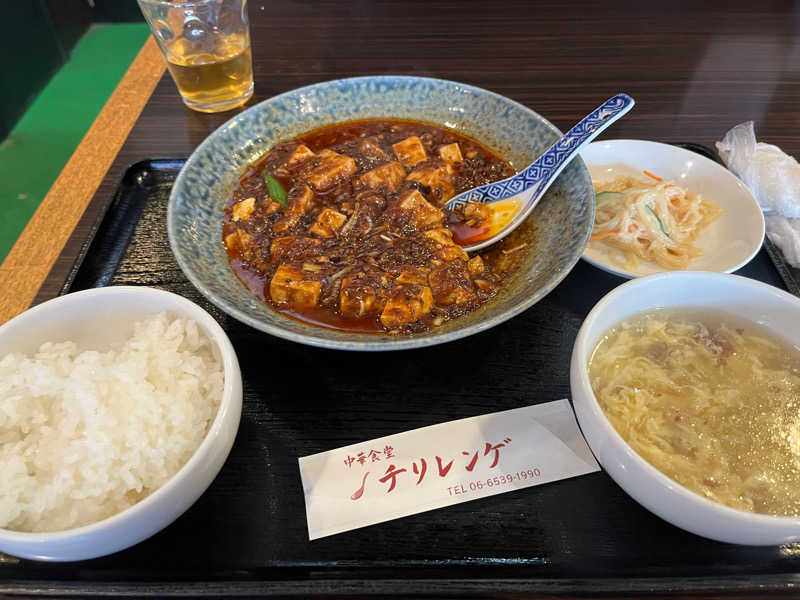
516,196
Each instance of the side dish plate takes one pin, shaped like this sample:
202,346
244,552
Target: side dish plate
728,243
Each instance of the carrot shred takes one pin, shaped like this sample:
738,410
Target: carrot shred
649,174
600,236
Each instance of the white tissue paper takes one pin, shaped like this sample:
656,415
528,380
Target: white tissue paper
774,178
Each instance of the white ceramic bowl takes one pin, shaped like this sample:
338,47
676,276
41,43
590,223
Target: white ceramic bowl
95,319
739,296
728,243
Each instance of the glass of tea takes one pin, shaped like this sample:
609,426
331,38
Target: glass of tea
207,47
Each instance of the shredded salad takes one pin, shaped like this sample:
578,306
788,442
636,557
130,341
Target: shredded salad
653,220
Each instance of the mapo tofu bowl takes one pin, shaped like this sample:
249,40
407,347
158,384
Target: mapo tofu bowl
214,217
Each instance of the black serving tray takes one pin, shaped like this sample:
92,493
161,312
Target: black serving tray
247,534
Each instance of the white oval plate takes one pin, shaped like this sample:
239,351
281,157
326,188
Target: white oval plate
728,243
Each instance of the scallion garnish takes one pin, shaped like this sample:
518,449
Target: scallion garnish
275,189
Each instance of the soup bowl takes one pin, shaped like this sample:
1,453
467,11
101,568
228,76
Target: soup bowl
556,232
741,297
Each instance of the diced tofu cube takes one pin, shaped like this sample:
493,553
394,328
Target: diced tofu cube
232,241
451,283
242,210
280,246
300,154
243,244
273,207
451,153
424,175
419,212
333,170
287,287
440,235
298,201
410,151
408,304
357,298
298,247
390,176
238,241
328,223
475,265
436,178
371,149
412,275
478,211
452,252
446,248
439,179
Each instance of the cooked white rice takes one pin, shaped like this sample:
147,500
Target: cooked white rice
84,435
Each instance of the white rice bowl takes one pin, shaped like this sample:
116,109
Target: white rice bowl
85,434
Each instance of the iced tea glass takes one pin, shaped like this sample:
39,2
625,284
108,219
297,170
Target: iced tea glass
207,47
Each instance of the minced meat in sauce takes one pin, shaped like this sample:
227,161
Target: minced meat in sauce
345,227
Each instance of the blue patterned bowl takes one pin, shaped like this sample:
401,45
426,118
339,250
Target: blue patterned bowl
557,231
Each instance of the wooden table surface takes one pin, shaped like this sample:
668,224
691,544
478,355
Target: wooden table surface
695,69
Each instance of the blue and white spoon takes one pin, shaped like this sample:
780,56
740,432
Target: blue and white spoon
528,186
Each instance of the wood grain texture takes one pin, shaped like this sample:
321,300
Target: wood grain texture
695,69
40,243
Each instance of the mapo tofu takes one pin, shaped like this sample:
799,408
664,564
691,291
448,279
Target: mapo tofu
345,227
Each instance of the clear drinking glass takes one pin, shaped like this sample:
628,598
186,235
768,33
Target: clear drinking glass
207,47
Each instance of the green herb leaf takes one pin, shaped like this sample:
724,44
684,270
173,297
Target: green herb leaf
660,224
275,189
